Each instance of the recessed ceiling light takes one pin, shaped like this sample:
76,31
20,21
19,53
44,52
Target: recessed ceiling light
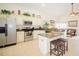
43,4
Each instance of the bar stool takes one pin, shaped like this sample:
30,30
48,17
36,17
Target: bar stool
53,43
59,47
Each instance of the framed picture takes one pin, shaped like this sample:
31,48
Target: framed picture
72,23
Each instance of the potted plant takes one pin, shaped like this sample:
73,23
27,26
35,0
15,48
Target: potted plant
5,12
26,14
46,26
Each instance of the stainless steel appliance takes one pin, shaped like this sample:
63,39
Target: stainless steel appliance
7,31
28,30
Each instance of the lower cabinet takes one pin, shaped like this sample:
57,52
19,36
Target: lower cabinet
43,45
20,36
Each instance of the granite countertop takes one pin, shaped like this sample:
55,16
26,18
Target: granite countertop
23,29
50,35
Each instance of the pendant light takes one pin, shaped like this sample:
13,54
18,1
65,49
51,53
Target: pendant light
72,10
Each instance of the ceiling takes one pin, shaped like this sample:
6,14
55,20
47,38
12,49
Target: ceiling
47,9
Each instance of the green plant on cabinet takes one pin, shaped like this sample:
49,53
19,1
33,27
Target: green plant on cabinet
26,14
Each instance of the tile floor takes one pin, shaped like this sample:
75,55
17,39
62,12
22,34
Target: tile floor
30,48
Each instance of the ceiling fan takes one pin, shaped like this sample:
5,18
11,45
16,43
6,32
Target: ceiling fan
72,10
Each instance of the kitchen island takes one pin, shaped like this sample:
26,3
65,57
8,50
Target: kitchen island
45,39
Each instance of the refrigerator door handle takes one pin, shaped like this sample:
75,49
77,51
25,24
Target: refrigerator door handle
6,34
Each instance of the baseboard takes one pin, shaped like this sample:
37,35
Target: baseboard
8,45
1,46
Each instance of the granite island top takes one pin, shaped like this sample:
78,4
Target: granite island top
51,35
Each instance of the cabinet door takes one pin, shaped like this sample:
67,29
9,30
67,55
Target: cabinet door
20,36
43,45
0,39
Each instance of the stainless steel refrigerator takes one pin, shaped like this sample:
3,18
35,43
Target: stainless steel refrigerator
7,31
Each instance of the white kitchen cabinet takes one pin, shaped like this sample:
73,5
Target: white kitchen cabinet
20,36
44,45
76,41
